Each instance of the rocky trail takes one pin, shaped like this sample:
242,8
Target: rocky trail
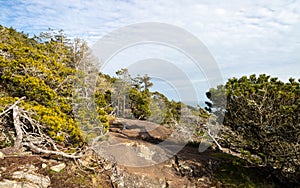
149,155
145,162
135,154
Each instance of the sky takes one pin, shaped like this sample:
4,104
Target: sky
243,37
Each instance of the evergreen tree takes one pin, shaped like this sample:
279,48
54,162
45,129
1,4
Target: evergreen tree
263,114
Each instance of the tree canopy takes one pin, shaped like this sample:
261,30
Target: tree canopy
262,115
43,69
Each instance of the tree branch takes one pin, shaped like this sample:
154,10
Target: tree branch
12,106
40,150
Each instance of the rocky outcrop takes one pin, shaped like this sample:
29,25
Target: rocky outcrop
177,172
26,176
16,184
140,162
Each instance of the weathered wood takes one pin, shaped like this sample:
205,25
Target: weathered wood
32,140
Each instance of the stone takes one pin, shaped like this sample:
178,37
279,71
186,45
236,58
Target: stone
1,155
108,166
40,180
31,168
203,179
44,165
2,168
14,184
58,168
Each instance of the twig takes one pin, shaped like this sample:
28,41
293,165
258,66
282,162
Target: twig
209,134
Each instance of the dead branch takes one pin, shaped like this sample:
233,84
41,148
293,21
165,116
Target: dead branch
17,125
213,138
34,139
12,106
60,153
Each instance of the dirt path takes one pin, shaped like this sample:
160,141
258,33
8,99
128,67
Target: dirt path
138,157
146,162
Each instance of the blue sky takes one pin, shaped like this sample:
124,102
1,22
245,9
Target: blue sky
244,37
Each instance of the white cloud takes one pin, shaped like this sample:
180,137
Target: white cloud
242,35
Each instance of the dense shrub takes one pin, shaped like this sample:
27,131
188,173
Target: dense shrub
263,114
43,69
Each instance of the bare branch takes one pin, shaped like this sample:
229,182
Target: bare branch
17,124
60,153
212,137
12,106
34,139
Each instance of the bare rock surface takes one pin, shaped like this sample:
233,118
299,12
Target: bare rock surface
24,176
58,168
16,184
37,179
141,162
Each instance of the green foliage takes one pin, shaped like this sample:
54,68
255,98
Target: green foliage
140,103
235,174
174,112
41,69
59,125
102,108
263,114
142,82
134,93
6,101
171,110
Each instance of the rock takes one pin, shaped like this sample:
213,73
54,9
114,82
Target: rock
40,180
14,184
58,168
203,179
1,155
140,181
186,170
108,166
2,168
31,168
44,165
145,152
